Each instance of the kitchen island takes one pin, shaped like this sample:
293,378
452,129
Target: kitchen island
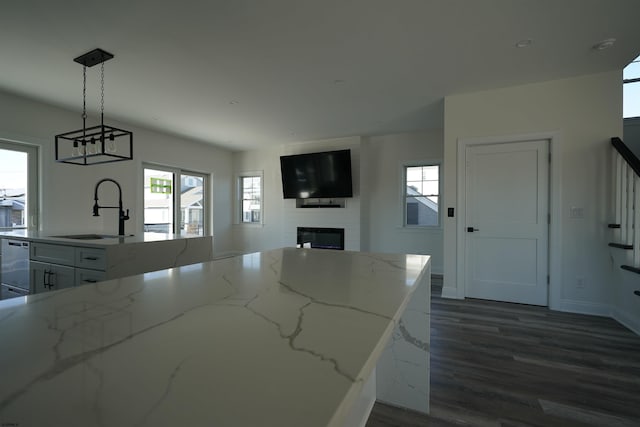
61,260
287,337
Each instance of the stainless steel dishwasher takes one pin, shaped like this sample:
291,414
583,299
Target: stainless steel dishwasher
15,269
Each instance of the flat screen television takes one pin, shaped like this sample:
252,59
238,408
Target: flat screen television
317,175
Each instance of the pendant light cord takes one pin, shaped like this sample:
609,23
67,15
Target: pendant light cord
102,94
84,101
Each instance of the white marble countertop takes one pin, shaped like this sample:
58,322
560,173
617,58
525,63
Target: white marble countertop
278,338
54,237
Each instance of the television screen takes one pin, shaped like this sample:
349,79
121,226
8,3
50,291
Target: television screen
317,175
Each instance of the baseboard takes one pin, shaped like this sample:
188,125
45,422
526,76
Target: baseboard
584,307
626,320
450,292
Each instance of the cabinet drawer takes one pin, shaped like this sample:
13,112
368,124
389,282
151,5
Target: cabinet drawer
85,276
92,258
56,254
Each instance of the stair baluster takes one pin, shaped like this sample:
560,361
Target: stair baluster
636,223
626,228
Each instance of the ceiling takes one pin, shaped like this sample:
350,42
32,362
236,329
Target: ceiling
244,74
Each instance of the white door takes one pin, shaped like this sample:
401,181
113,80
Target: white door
506,232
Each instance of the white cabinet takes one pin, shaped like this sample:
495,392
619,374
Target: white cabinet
50,277
60,266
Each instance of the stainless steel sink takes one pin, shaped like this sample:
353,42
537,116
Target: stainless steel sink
92,236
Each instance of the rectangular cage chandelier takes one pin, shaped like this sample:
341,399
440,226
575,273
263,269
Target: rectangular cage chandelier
95,144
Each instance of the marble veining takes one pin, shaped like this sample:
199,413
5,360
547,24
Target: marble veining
279,338
403,368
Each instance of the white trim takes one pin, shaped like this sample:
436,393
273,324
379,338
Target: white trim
402,203
34,179
555,198
177,173
630,322
451,293
237,200
584,307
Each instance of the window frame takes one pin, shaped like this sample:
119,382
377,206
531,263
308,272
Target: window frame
403,193
33,182
239,198
177,174
628,83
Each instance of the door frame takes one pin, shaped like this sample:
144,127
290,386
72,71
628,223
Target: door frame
554,252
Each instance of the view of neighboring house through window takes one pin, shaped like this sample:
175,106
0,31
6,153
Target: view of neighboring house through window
422,195
174,201
631,89
251,199
192,203
18,186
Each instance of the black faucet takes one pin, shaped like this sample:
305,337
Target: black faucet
122,217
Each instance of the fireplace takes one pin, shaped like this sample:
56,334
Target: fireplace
322,238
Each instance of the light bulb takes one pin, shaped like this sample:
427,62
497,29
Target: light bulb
111,146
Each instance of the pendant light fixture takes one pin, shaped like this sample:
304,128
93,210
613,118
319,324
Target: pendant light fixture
96,144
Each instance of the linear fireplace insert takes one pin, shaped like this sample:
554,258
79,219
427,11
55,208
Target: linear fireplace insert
322,238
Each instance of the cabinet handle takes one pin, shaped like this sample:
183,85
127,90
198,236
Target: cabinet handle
90,281
45,279
91,258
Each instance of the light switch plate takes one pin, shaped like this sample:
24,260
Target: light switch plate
576,212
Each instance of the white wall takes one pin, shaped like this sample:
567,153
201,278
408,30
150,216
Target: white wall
67,190
347,217
386,156
258,237
372,218
584,113
281,217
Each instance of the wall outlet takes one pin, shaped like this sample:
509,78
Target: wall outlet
580,282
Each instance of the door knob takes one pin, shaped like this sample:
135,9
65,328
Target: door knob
471,229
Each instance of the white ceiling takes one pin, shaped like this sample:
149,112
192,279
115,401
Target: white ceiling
247,73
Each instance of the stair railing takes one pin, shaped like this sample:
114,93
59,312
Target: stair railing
626,169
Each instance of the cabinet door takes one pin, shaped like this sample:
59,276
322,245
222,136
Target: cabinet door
50,277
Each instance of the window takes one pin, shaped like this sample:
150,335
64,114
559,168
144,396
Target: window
250,190
175,201
18,186
421,195
631,89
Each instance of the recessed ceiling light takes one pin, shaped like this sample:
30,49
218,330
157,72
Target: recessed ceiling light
604,44
524,43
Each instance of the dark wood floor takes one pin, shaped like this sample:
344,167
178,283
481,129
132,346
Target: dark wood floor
501,364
